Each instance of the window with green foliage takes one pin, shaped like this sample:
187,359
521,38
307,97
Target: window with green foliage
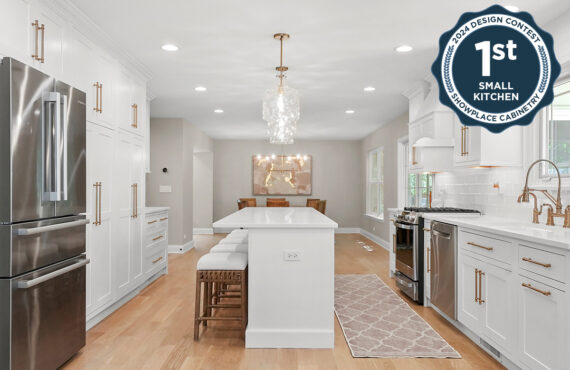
375,186
419,187
555,133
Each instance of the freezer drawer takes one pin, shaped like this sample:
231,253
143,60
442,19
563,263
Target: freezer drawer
42,316
31,245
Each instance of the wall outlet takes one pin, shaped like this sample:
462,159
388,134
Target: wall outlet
291,255
165,189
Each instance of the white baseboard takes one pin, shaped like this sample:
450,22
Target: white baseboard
180,249
203,231
95,319
348,230
376,239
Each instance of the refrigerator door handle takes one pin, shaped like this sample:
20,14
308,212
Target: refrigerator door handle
45,229
62,149
51,144
25,284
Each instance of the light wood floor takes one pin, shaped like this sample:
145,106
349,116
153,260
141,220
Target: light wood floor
154,330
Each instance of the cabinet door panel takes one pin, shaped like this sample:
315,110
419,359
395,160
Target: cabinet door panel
124,205
137,176
499,324
52,44
470,312
14,30
543,325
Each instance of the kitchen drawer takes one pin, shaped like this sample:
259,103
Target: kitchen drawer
544,263
155,261
152,238
155,222
497,249
153,248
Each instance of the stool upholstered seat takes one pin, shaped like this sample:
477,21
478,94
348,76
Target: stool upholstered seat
233,240
229,248
222,261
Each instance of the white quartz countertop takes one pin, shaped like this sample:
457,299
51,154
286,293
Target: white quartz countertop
554,236
276,217
156,209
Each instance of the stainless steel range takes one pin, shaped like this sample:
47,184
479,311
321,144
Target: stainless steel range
42,225
410,246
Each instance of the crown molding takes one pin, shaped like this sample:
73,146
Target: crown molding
78,19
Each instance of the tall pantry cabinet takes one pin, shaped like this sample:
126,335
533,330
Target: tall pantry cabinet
56,38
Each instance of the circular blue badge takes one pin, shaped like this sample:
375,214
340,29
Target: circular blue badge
496,69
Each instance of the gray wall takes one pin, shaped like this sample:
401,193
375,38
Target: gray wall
337,175
172,145
387,136
203,189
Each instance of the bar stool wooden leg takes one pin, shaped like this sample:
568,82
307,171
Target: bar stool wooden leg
243,302
197,307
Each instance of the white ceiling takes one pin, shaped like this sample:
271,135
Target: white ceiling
336,48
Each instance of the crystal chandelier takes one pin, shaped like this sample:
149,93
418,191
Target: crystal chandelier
281,106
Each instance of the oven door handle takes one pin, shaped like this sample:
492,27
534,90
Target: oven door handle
404,283
404,226
25,284
440,234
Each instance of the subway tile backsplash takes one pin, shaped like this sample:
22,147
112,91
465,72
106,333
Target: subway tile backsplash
473,188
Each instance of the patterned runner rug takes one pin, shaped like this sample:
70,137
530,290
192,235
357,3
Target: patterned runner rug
376,322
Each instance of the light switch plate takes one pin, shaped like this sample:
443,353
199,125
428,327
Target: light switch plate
291,255
165,189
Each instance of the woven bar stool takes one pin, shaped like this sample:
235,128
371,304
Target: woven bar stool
214,270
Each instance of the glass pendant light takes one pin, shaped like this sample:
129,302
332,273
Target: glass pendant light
281,106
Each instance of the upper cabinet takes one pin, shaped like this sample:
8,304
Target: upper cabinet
14,29
477,147
46,40
131,104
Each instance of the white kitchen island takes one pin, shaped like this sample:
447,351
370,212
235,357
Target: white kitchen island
291,276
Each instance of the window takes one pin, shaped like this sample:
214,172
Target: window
555,133
419,188
375,186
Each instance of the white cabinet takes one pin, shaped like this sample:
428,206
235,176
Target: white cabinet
46,40
392,217
543,325
476,146
487,302
14,29
155,241
100,143
131,104
101,97
128,195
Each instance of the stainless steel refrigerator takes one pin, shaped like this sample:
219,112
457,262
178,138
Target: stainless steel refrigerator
42,219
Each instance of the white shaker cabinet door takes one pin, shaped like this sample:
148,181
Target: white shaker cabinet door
543,325
49,42
137,178
99,210
469,311
14,30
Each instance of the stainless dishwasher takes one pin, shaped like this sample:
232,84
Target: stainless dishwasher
443,275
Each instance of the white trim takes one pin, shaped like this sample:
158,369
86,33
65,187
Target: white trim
180,249
377,218
402,166
380,168
376,239
347,230
95,319
203,230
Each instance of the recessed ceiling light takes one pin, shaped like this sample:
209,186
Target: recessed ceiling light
349,111
272,156
512,8
218,111
200,88
369,88
169,47
403,48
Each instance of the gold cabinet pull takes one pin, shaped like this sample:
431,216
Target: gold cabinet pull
43,29
164,218
480,299
36,25
476,273
100,196
394,244
530,260
97,86
156,260
135,116
546,293
414,156
135,210
152,222
96,186
158,237
462,136
465,138
101,98
480,246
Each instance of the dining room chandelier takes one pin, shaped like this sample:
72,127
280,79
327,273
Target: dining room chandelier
281,105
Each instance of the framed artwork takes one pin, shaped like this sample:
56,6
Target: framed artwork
282,175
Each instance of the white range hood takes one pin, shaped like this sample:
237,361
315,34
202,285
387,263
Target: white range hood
430,129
